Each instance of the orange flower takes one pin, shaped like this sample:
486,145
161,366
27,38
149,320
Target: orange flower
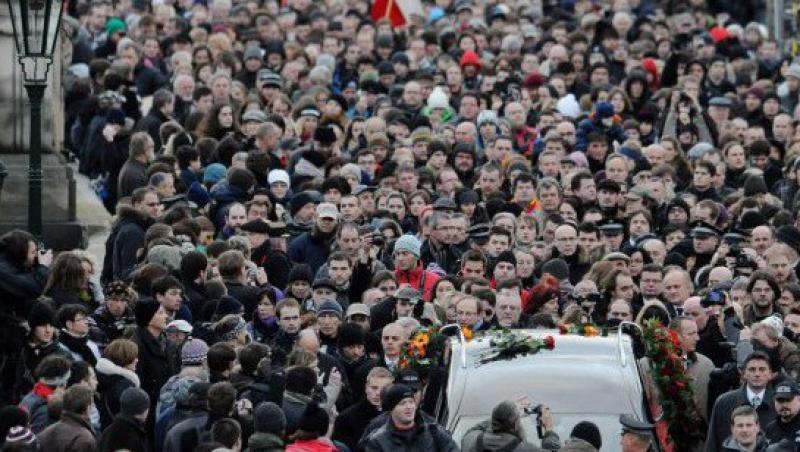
590,331
467,332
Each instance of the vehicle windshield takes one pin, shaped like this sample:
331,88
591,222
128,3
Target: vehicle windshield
609,427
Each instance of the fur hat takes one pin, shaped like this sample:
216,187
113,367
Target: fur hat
41,314
351,334
395,394
314,419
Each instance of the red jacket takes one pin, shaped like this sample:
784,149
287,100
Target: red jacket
314,445
419,279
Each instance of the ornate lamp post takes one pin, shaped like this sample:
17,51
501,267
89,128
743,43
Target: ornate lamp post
36,26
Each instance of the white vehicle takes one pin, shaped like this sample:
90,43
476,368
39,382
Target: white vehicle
582,378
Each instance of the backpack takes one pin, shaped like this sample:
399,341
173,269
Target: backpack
479,446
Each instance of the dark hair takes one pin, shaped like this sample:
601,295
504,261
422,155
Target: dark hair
220,356
758,355
185,155
192,265
766,276
79,372
165,283
68,312
226,431
14,245
77,399
221,397
251,355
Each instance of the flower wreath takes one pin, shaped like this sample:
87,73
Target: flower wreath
425,349
667,368
506,344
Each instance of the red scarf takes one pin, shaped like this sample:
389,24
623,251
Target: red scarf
42,390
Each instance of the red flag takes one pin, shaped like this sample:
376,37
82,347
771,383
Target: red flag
388,9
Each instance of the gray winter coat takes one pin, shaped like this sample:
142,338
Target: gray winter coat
502,441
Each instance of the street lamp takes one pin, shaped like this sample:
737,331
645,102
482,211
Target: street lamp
36,26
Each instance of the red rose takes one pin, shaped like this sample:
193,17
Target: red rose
666,371
563,329
549,342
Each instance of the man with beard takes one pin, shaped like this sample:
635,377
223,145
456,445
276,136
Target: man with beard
764,291
464,162
608,198
787,405
439,246
313,247
275,263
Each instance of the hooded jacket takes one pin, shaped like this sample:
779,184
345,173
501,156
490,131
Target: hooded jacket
123,244
503,441
112,380
418,278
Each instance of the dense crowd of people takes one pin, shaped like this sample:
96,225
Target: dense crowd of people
297,187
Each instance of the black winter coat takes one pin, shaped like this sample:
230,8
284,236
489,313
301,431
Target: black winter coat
125,433
719,423
155,366
112,380
122,245
425,437
351,423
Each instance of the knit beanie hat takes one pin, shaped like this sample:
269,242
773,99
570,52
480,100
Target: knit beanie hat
394,395
299,200
408,243
12,416
314,419
214,173
437,98
134,401
269,418
146,308
228,305
507,256
351,334
604,110
556,267
19,435
300,272
229,328
751,219
198,195
588,432
194,352
278,175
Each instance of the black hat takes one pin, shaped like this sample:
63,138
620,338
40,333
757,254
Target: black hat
313,419
41,314
301,379
339,99
325,135
632,425
786,390
467,196
678,203
351,334
702,229
395,394
507,256
269,418
299,200
324,282
410,378
146,308
611,228
300,272
330,307
609,186
588,432
133,401
228,305
256,226
445,204
557,267
674,258
479,232
385,67
400,58
751,220
789,235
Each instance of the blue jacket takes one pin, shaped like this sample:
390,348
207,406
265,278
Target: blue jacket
310,250
589,125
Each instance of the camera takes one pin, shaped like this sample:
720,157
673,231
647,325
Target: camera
537,410
715,297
